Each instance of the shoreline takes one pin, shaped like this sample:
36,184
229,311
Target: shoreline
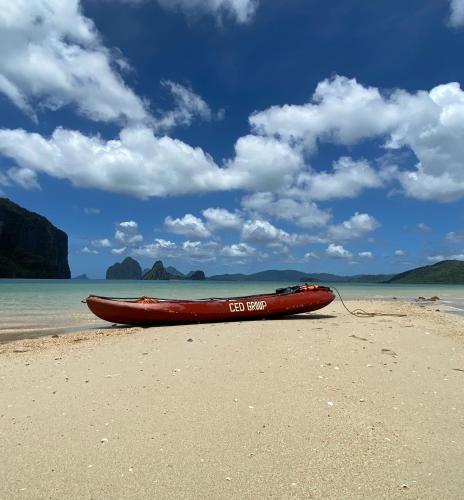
90,323
324,405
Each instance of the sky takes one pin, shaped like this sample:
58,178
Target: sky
238,135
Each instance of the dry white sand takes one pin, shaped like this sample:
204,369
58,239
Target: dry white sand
323,406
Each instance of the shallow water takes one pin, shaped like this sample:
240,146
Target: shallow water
30,308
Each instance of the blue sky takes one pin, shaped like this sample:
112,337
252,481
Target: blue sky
238,135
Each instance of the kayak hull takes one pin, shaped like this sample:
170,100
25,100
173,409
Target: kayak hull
147,311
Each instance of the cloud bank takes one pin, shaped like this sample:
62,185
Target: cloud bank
52,56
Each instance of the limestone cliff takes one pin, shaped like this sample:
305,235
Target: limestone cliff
158,272
196,275
128,269
30,246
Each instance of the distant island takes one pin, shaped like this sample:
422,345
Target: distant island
129,269
445,272
293,275
30,245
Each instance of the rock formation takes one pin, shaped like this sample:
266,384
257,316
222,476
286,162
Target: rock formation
128,269
158,272
175,272
30,246
196,275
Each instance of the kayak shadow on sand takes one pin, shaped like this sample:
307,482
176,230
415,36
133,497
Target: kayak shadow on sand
300,317
307,316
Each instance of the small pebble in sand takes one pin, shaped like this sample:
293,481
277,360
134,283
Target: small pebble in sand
228,478
189,340
362,400
89,466
235,400
103,440
251,407
330,403
404,486
369,366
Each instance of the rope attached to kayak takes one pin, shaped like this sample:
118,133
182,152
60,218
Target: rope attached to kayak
361,313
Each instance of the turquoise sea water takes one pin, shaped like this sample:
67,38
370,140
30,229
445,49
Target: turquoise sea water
36,307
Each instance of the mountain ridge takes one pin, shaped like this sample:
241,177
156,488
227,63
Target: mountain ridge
444,272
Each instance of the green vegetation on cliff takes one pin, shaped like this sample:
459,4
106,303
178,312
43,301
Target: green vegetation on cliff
444,272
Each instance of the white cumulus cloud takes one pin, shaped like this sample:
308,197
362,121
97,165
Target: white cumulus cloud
262,231
89,251
103,243
127,233
220,218
347,179
188,225
239,250
344,112
159,248
338,252
263,163
310,256
201,251
303,213
52,55
366,255
140,164
355,227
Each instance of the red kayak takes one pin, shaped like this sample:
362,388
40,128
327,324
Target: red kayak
150,311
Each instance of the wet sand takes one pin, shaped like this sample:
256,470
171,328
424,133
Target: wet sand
324,405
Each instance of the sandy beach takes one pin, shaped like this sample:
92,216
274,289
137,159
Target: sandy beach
323,405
